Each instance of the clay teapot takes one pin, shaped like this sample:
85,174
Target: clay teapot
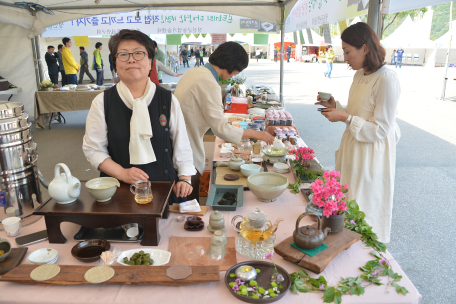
308,237
256,226
64,188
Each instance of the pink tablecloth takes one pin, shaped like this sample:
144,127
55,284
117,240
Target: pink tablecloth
287,206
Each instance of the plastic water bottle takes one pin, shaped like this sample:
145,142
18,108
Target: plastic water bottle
228,102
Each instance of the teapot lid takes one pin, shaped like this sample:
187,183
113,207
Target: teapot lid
216,216
257,218
307,230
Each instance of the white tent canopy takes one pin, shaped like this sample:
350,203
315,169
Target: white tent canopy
10,13
410,34
200,40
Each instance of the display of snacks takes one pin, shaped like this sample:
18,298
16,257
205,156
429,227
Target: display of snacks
231,119
140,259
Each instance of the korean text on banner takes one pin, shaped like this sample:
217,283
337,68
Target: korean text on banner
308,14
81,40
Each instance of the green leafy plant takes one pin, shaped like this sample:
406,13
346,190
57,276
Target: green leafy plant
301,166
239,78
370,272
227,81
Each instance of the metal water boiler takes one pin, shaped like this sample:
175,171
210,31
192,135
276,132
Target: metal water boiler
20,191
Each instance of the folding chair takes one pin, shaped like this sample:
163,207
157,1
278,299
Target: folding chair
416,59
409,56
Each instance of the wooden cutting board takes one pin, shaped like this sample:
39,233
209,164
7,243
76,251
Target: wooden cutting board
335,242
181,246
13,259
126,275
175,209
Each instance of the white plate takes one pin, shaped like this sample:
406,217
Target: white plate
43,255
281,166
50,262
160,257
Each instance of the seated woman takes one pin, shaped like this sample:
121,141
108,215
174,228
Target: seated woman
136,130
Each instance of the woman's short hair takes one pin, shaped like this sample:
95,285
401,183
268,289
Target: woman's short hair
123,35
230,56
360,34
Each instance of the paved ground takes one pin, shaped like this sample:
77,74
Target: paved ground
423,230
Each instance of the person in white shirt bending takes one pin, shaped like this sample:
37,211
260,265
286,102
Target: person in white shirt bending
198,92
136,130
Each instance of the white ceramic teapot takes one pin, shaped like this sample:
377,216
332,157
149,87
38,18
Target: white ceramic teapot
64,188
234,163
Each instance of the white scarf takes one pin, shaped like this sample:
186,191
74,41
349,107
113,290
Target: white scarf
140,147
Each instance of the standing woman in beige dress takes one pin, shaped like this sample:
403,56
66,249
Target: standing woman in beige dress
366,157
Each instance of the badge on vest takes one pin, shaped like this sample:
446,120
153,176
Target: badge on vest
163,120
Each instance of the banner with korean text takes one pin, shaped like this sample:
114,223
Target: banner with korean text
160,22
312,13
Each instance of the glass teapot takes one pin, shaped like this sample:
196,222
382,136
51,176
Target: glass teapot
256,226
277,148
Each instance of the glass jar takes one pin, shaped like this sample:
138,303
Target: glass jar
261,124
254,127
245,146
255,250
215,253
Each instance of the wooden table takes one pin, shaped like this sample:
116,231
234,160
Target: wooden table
120,210
48,102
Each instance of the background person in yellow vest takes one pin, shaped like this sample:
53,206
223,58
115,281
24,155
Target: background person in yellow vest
329,61
70,65
84,62
98,63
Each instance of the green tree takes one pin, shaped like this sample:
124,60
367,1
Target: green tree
440,19
389,22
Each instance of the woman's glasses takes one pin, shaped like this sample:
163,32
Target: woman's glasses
139,55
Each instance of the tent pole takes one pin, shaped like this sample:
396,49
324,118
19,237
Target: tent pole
445,78
37,76
38,58
373,16
282,38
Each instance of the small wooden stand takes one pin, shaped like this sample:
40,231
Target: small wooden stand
335,242
120,210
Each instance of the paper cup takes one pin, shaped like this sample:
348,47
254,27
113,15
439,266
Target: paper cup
131,229
11,226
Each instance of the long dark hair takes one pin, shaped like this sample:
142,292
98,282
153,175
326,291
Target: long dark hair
360,34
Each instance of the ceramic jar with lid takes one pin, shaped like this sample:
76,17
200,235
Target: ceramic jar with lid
216,221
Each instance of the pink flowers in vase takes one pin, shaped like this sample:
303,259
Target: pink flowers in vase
328,194
302,155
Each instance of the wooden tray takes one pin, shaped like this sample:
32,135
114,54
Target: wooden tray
335,242
125,275
175,209
181,246
13,259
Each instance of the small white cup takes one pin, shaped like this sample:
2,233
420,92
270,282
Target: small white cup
11,226
324,96
131,229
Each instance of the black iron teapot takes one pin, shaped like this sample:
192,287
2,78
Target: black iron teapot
308,237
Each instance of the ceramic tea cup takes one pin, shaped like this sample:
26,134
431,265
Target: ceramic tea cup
194,220
324,96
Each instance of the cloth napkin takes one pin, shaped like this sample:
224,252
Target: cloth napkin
189,206
226,152
140,147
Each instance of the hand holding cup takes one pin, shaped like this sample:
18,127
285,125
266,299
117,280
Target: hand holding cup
326,100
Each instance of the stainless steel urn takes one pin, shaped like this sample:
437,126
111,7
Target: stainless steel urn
20,191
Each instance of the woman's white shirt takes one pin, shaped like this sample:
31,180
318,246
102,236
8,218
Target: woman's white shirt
95,142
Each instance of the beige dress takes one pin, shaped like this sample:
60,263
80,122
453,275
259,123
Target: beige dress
366,157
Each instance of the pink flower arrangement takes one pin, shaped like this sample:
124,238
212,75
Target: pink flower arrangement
328,194
302,155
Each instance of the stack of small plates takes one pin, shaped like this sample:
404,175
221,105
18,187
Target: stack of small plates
43,256
281,168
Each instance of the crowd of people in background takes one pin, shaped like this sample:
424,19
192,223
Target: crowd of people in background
64,63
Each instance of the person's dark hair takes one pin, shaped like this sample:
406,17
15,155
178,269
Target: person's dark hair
59,46
98,44
360,34
230,56
65,40
82,48
51,47
330,46
155,44
123,35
